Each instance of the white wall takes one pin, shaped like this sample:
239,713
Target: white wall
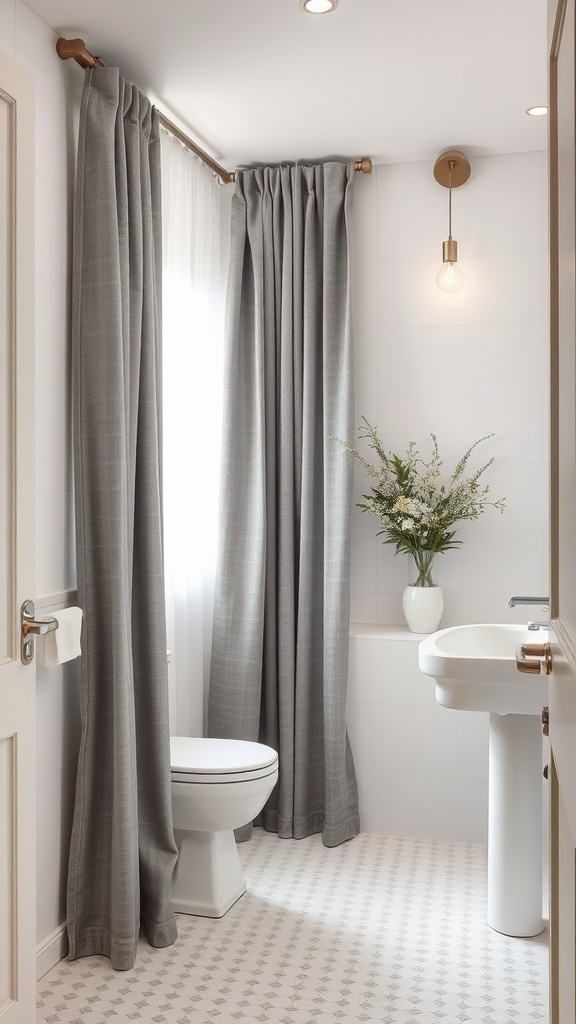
460,366
422,769
31,43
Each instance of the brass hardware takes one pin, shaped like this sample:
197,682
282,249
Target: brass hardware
526,664
452,168
450,251
75,49
30,627
545,722
534,658
534,650
226,177
364,165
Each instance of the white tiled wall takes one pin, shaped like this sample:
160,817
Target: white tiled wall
422,769
31,43
460,366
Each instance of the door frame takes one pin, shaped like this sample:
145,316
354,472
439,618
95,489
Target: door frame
17,533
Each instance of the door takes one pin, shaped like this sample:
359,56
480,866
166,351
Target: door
562,694
17,683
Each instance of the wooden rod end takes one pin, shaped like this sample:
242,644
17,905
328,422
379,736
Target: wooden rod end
364,165
75,49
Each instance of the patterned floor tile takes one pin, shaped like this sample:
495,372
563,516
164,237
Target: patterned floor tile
382,929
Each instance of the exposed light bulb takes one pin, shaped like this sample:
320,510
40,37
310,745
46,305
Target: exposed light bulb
450,278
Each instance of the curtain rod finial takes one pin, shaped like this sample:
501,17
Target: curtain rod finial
364,165
75,49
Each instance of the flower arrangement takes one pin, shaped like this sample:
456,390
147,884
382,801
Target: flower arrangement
416,509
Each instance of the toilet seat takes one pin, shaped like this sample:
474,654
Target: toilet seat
200,760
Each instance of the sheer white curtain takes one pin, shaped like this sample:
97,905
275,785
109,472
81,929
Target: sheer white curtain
193,291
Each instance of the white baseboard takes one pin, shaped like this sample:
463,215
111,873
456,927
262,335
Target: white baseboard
53,949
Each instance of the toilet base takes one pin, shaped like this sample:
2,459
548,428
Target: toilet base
208,877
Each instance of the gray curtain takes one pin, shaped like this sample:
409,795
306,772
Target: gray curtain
122,850
280,641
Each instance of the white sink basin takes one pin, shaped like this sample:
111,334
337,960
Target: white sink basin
475,668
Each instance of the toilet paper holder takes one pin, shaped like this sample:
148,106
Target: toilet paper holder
31,627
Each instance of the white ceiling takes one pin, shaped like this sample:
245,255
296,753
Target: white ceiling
261,81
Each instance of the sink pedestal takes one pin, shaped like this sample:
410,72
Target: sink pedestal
515,825
475,670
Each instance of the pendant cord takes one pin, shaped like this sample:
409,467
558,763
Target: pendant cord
451,167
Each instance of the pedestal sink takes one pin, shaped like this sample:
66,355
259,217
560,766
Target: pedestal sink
474,667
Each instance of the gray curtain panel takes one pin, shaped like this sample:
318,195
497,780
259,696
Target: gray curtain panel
122,850
280,641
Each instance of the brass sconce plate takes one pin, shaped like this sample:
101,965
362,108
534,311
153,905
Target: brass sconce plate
460,168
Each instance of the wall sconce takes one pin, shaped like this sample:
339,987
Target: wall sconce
451,169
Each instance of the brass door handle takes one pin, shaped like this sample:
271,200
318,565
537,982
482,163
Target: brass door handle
534,658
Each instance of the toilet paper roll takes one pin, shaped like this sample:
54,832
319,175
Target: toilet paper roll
62,644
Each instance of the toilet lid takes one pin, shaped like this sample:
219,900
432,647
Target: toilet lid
204,756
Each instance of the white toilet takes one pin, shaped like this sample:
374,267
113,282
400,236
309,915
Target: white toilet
217,786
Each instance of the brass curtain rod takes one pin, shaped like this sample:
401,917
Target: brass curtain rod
76,50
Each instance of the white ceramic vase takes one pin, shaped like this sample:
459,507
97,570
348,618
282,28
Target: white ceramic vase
423,607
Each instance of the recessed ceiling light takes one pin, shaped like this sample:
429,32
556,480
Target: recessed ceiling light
318,6
537,111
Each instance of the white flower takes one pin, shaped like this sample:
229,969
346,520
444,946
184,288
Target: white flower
402,504
417,510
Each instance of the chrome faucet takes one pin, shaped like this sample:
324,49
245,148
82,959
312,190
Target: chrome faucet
543,601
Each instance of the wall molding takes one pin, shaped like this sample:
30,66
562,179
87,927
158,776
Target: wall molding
51,951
